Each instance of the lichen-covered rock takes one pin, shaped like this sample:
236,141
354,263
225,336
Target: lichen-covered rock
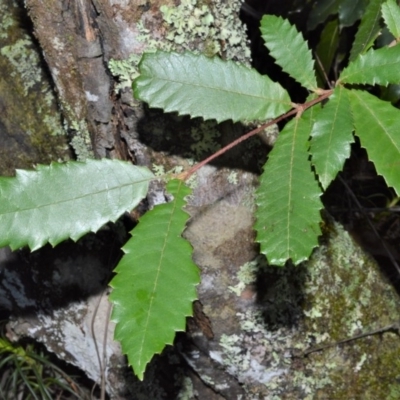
264,318
346,295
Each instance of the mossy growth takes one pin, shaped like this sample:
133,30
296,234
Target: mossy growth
345,295
338,294
31,128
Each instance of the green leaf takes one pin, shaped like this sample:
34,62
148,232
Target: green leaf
288,198
350,11
208,87
391,93
289,49
368,30
155,283
321,10
375,67
377,124
331,137
63,201
326,50
391,16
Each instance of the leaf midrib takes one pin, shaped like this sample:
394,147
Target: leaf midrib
56,203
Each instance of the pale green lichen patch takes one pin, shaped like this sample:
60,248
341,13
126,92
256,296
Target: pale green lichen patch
32,128
7,21
125,70
187,391
81,141
259,354
337,294
81,148
206,138
25,63
256,356
37,103
345,295
247,275
232,178
211,28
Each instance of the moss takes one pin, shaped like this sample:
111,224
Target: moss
393,392
345,295
32,130
339,293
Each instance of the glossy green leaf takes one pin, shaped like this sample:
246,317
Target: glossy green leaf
375,67
155,283
350,11
289,49
326,50
60,201
391,93
208,87
368,29
321,10
377,124
288,198
332,134
391,16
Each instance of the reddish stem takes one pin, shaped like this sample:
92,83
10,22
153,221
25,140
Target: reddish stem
298,109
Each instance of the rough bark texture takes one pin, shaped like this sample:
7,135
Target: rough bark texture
31,129
249,317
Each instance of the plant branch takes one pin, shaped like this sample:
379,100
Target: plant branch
296,110
372,226
393,328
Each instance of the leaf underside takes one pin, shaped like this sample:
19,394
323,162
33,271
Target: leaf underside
289,49
375,67
61,201
377,124
391,16
288,198
155,283
331,136
208,87
368,30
